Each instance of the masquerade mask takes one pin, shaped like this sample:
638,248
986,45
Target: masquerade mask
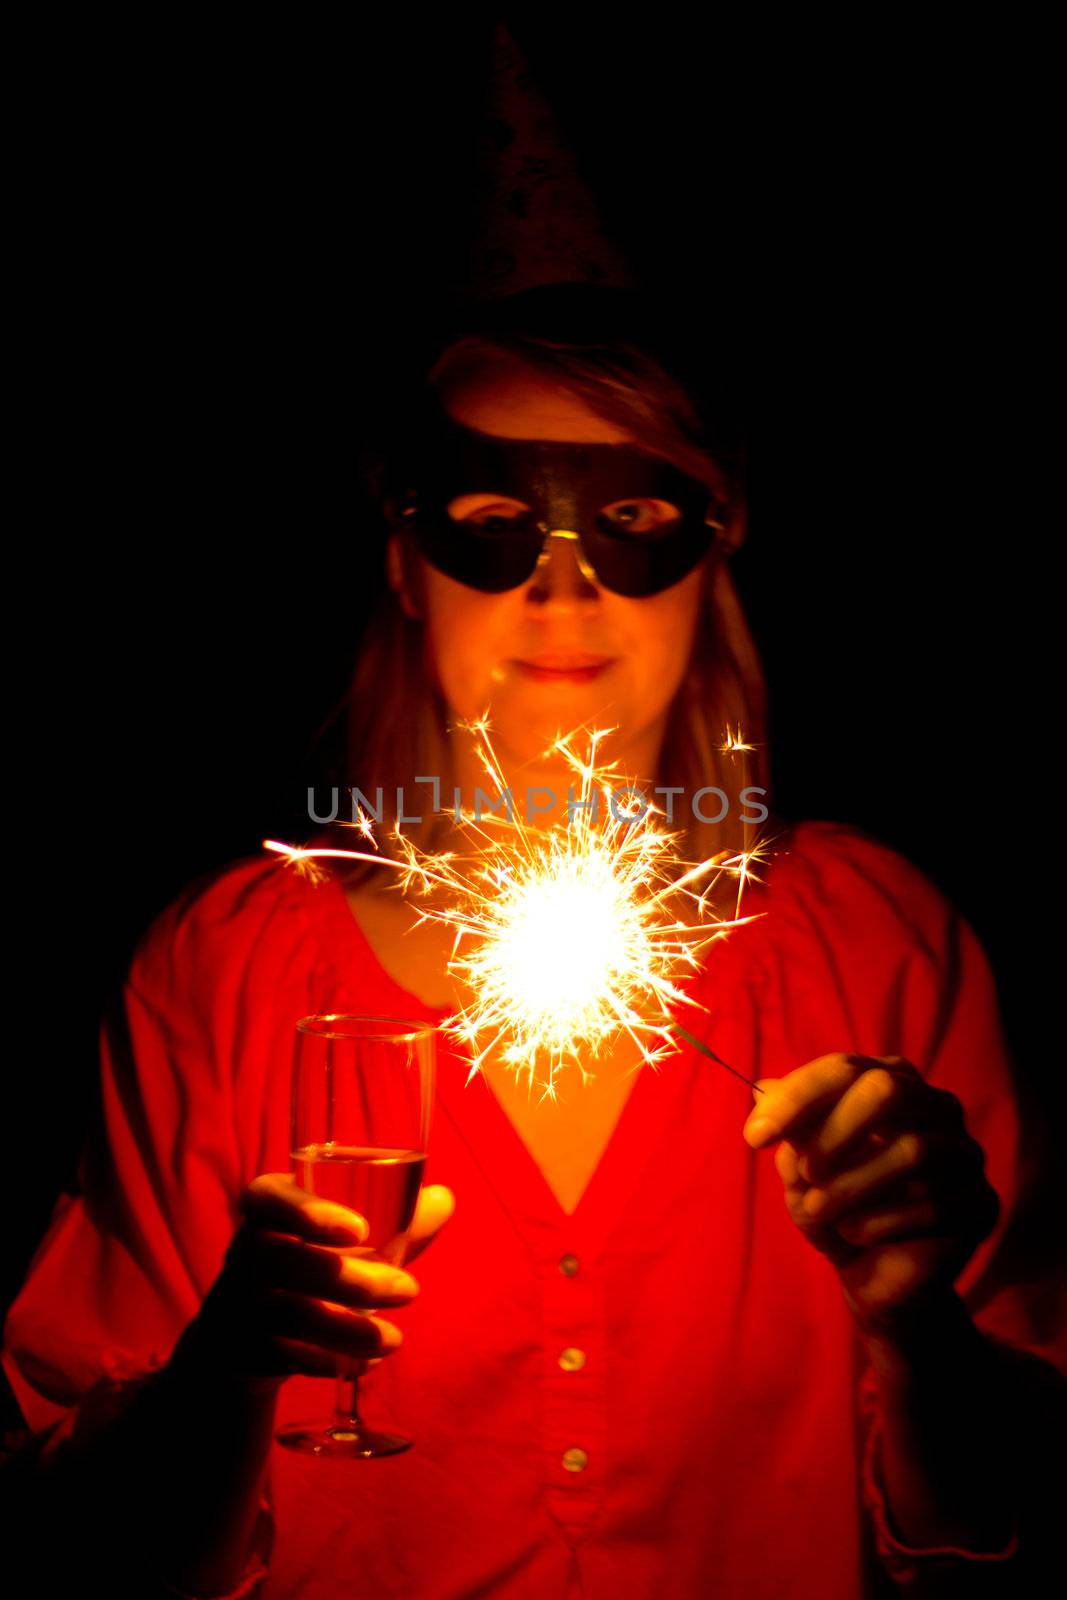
589,493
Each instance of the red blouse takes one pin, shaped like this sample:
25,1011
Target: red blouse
718,1433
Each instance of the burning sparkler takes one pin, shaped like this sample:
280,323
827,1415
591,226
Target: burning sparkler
565,936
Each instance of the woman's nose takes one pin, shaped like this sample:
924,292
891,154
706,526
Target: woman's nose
562,572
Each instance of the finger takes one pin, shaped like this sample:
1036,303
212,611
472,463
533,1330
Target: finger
346,1333
964,1209
275,1200
824,1239
345,1277
877,1104
787,1163
307,1359
790,1164
910,1154
435,1205
793,1107
883,1196
921,1219
295,1356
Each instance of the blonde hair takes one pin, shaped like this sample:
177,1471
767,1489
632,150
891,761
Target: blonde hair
398,724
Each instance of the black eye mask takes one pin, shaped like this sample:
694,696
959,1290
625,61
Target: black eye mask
568,489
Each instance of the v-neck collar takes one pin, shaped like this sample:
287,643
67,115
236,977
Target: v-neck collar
495,1144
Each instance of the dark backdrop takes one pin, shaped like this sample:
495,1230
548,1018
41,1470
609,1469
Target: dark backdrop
224,263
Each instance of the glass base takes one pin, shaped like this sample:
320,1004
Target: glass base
332,1439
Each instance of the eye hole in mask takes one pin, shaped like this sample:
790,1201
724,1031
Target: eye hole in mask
640,519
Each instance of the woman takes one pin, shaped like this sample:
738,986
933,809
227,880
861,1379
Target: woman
643,1356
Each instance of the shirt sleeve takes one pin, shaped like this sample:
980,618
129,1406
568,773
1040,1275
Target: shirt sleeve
127,1260
948,1025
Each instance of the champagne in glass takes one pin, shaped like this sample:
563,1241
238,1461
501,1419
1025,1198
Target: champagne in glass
382,1185
362,1092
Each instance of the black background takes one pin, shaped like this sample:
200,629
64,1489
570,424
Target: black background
227,244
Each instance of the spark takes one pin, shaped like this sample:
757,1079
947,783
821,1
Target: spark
735,744
565,936
364,826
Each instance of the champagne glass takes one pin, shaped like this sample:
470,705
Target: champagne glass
362,1091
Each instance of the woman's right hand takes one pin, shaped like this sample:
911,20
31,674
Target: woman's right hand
294,1289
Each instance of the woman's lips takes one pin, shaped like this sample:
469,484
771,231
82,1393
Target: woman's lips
565,668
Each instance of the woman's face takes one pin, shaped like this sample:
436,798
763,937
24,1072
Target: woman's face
560,650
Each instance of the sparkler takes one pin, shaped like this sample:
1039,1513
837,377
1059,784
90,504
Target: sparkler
565,936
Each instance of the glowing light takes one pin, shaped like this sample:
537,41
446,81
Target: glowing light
565,936
734,743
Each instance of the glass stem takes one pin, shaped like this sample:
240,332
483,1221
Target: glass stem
346,1415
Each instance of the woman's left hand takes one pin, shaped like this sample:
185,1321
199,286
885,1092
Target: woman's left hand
881,1176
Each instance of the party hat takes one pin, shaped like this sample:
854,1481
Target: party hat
537,221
